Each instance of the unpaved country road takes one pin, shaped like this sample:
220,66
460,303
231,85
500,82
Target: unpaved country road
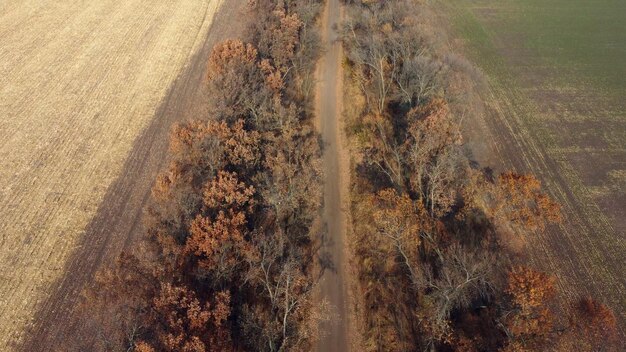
119,217
333,286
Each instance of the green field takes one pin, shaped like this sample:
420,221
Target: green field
556,106
580,39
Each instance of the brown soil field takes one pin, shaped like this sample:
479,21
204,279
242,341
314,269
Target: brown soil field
88,91
586,252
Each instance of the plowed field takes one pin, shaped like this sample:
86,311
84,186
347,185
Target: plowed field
79,82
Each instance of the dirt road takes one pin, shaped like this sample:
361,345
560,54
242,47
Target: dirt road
119,216
334,285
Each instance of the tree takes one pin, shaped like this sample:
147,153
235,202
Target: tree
381,148
291,186
433,156
418,79
231,55
181,322
217,239
395,217
287,318
228,243
284,39
199,149
236,84
593,327
463,276
379,43
118,304
426,223
530,320
519,200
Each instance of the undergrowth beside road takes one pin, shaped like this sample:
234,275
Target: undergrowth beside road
433,231
227,260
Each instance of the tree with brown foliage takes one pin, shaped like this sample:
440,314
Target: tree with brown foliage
180,322
231,55
433,155
118,304
592,327
427,226
529,324
381,148
236,85
519,200
395,217
381,45
199,150
284,39
229,248
217,240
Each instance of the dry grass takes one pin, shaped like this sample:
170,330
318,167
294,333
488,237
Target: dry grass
79,80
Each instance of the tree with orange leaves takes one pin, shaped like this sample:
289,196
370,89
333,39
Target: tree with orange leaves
231,55
229,256
520,201
236,85
217,239
180,322
283,39
529,323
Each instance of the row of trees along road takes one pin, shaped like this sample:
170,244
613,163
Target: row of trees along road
431,229
227,260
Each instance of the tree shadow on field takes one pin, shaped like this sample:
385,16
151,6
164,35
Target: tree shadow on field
59,324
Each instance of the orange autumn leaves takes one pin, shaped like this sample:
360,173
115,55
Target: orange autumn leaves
431,228
531,293
217,234
230,55
185,324
534,320
227,257
202,147
519,199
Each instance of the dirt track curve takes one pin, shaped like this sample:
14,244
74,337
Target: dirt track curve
118,219
333,286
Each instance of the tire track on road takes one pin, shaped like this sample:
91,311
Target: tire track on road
333,286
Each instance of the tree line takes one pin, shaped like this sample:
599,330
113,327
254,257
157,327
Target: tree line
430,228
227,258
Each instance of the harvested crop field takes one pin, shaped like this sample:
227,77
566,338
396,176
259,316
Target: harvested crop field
79,82
555,107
